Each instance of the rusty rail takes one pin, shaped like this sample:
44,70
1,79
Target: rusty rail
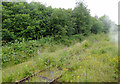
26,78
55,80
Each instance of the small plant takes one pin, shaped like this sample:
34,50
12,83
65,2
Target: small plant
52,49
26,71
9,78
86,44
48,60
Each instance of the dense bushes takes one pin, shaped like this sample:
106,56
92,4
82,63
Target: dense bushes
33,21
97,26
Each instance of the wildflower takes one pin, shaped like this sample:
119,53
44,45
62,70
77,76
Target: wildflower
69,50
38,52
85,73
15,40
48,60
65,47
89,56
85,70
23,39
111,60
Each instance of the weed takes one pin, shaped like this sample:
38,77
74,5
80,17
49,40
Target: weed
97,54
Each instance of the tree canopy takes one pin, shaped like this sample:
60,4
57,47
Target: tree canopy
35,20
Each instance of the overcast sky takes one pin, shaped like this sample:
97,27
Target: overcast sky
97,7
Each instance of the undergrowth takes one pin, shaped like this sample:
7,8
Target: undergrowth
94,59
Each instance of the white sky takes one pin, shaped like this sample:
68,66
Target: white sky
97,7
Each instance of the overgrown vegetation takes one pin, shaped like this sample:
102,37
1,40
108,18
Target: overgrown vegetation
96,53
35,37
18,52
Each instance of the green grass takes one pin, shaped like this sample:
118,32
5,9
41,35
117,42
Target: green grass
96,56
0,76
19,52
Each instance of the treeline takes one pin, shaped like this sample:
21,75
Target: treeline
32,21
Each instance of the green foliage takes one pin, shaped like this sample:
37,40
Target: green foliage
27,72
52,49
95,53
22,20
81,20
80,37
33,21
9,78
106,23
18,53
97,26
59,23
7,35
86,44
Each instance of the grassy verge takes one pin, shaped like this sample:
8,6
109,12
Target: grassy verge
92,60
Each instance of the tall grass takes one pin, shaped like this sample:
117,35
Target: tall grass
92,60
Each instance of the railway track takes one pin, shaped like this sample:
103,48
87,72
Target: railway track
49,75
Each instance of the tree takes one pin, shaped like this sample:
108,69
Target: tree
34,20
107,23
58,23
82,19
97,26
